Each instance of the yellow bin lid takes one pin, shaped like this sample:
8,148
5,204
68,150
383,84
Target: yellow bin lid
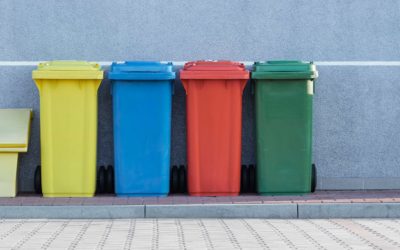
14,129
68,70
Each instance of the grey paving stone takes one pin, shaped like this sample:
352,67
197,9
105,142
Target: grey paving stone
200,234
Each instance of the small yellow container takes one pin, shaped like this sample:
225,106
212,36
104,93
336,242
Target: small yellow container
68,126
14,139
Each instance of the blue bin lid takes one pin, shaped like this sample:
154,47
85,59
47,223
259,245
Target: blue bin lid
140,70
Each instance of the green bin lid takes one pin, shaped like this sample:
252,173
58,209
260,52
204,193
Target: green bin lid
284,70
68,70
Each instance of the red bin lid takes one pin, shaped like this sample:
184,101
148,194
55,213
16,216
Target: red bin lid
214,70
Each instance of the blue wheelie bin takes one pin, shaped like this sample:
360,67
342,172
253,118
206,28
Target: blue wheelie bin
142,100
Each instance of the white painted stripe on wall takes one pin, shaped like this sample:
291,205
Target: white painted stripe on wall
247,63
357,63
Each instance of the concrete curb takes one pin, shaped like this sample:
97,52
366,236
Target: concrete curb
349,210
72,212
281,211
270,211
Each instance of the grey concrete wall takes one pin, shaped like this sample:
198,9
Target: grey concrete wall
356,127
356,130
186,29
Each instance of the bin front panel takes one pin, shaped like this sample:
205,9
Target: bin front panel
142,137
14,129
68,126
214,123
284,136
8,174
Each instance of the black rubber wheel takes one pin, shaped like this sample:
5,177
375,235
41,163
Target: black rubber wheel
244,179
182,179
101,180
241,178
171,188
174,179
252,179
313,178
110,179
38,180
186,179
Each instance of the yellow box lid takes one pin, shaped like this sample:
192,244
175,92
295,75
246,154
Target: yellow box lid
68,70
14,129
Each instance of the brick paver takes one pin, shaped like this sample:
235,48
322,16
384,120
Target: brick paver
200,234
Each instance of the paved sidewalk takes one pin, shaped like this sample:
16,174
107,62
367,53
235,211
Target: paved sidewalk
321,204
200,234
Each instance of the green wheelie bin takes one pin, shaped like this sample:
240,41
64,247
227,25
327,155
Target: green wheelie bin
283,102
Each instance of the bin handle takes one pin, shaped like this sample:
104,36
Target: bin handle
185,86
173,87
310,87
39,85
252,86
243,83
313,85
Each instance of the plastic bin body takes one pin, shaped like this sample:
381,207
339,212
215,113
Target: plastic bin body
14,139
214,126
283,100
142,100
68,127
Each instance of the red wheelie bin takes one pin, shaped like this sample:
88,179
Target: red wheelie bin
214,126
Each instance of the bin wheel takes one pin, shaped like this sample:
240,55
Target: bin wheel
109,180
182,179
101,180
171,188
252,179
174,179
244,179
38,180
313,178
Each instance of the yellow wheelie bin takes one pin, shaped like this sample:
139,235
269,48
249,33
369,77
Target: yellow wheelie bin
68,127
14,139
